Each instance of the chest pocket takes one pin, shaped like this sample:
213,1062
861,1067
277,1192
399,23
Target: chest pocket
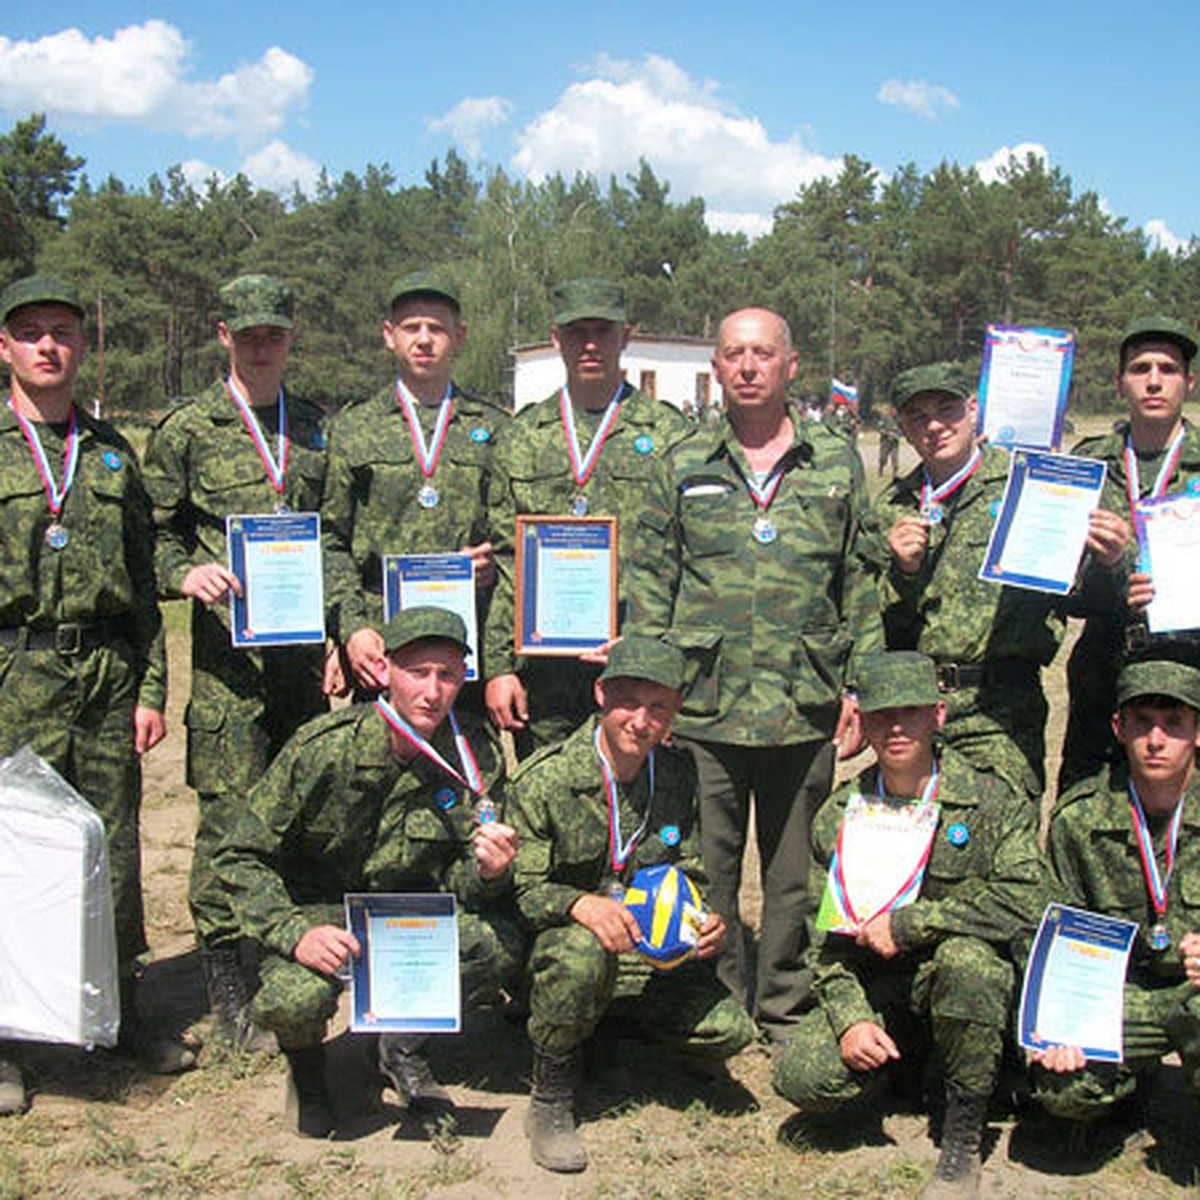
233,482
710,520
545,486
956,858
821,525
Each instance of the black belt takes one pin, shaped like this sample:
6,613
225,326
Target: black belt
953,676
69,638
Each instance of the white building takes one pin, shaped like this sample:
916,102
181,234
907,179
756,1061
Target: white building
675,369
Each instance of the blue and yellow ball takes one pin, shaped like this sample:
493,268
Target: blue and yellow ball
669,913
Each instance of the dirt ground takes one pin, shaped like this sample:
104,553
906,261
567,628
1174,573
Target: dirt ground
100,1128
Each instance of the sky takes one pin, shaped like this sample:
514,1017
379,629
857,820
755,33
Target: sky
738,107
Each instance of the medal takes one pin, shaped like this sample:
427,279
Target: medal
469,776
932,508
56,536
619,851
56,494
933,513
427,453
275,466
428,496
583,465
579,506
1160,939
281,509
1157,882
764,531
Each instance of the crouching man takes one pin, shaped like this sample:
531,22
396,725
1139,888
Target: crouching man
932,873
374,798
591,812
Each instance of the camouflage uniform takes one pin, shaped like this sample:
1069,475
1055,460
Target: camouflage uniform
561,814
955,970
533,475
1098,654
1093,863
201,467
337,812
989,642
95,598
767,630
889,444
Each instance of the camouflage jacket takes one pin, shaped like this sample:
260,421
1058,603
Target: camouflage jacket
105,572
560,810
985,886
945,610
371,508
337,812
533,475
767,628
1093,862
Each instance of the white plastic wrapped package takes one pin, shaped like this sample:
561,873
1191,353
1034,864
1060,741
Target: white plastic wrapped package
58,946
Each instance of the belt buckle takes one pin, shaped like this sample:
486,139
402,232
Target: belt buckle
68,639
948,677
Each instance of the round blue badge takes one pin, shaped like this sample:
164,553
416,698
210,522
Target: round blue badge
1194,485
318,439
669,835
479,434
995,509
957,834
112,460
445,798
643,444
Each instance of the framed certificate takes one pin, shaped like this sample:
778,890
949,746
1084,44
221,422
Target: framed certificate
566,584
406,979
1074,989
443,580
277,559
1039,534
1023,385
1168,534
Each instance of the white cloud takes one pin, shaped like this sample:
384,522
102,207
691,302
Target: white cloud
470,119
652,109
1162,238
925,99
197,173
993,168
753,225
279,168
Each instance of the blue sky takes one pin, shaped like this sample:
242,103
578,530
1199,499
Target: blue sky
737,107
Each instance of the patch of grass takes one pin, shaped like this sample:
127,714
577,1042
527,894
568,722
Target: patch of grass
12,1176
105,1147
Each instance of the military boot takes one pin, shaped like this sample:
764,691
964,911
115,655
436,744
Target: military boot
13,1098
554,1141
958,1167
229,997
404,1067
157,1052
308,1102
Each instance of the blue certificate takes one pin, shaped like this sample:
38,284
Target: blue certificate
1024,384
277,559
443,580
1039,535
1074,989
406,978
566,584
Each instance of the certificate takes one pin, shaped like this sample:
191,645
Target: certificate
406,978
1023,385
1168,534
566,584
1039,534
443,580
277,559
1074,989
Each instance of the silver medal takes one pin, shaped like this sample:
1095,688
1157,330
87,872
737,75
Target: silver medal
56,536
428,496
764,531
580,506
933,512
1160,939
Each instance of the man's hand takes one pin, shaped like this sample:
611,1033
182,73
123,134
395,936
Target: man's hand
876,935
908,540
1189,947
368,664
210,583
1062,1060
712,936
485,563
599,656
1141,591
326,948
506,701
149,728
495,849
865,1046
615,927
1108,536
848,735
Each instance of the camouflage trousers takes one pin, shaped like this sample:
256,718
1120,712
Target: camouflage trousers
296,1003
960,996
560,700
1003,730
574,981
76,711
1157,1021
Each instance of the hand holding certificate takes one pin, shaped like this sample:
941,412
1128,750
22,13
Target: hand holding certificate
1168,533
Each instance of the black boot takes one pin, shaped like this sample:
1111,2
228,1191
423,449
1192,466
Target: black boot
229,997
308,1102
554,1141
958,1168
404,1067
157,1052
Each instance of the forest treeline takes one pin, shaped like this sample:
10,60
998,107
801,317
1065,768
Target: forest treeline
874,273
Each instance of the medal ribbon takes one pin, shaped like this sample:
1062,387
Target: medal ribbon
582,468
55,494
837,876
931,495
427,453
469,776
764,494
276,469
619,851
1133,483
1156,882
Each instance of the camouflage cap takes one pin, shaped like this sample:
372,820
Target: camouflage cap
1158,677
1157,328
424,283
588,299
252,300
39,289
424,621
636,657
895,679
935,377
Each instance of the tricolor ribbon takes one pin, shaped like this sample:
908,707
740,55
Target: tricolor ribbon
619,851
55,493
429,452
276,468
1157,882
581,468
931,495
762,494
469,776
1133,482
